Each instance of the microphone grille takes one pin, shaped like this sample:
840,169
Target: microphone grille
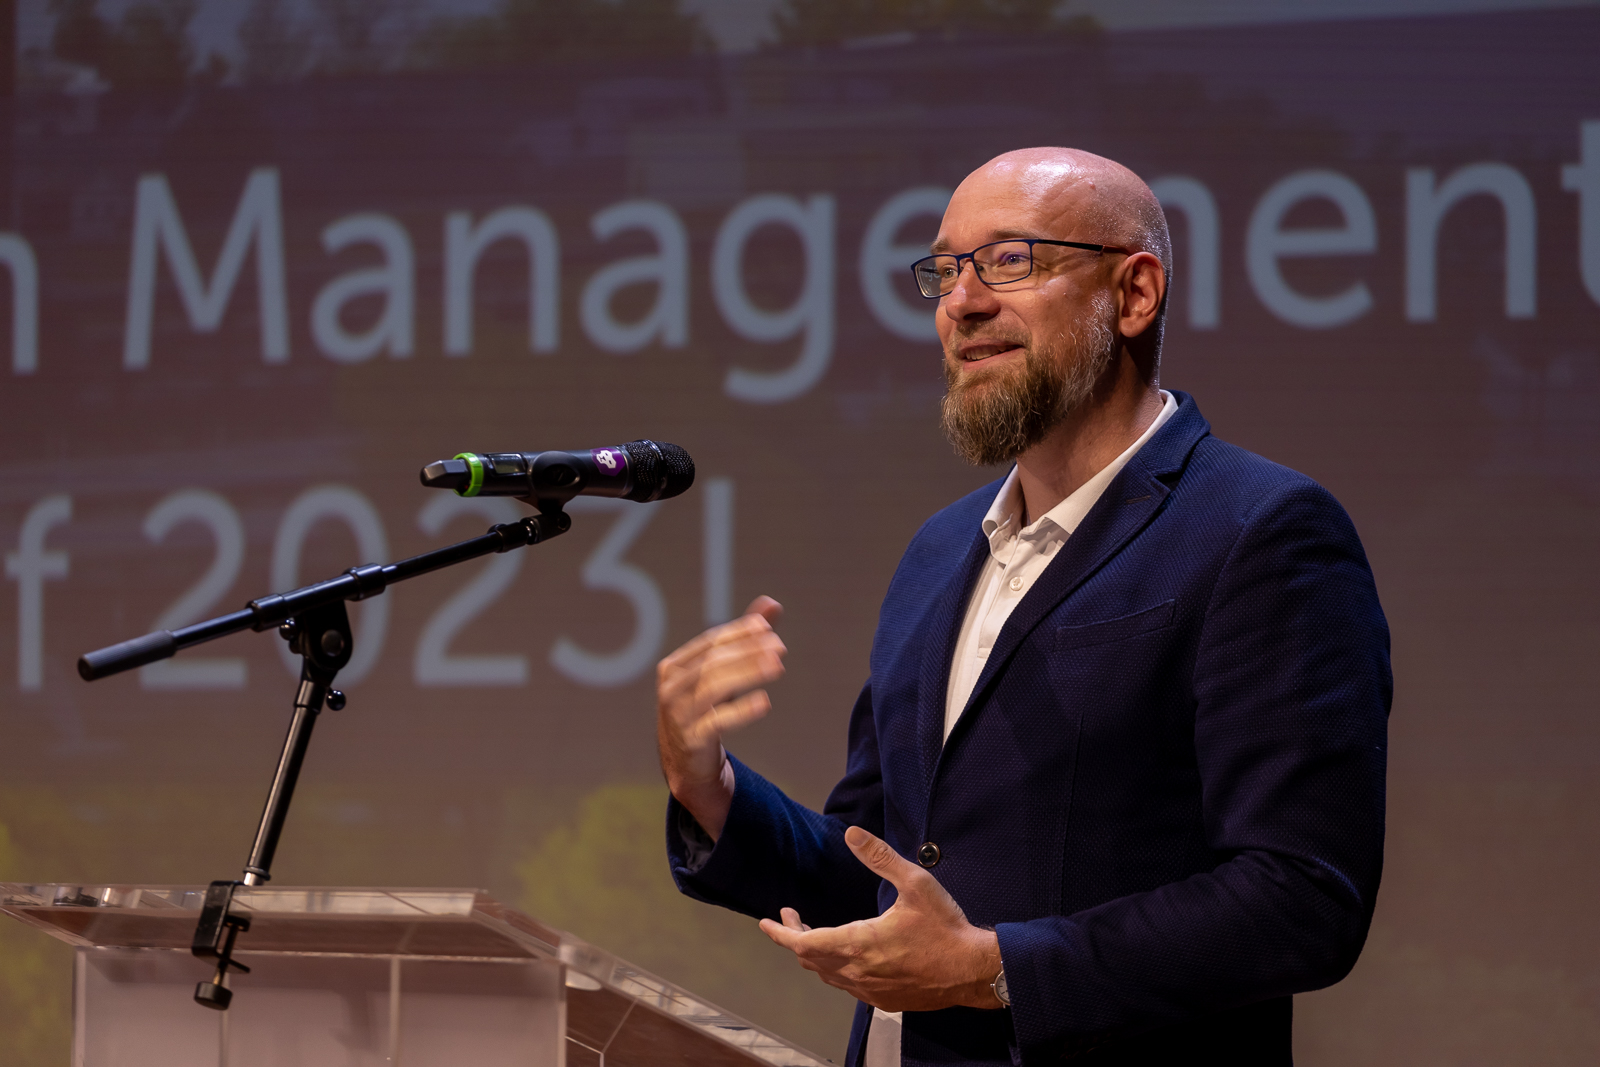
660,470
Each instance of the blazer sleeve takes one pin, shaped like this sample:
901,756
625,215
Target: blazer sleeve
1292,687
775,853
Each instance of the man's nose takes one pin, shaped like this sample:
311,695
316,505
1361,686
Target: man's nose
970,298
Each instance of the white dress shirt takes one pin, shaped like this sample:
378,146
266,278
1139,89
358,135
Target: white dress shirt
1017,557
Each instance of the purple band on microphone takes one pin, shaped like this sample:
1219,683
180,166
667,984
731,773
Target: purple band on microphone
612,461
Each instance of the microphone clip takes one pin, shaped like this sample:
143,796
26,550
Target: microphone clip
550,522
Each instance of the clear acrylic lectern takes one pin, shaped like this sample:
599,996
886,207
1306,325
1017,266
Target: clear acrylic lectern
369,978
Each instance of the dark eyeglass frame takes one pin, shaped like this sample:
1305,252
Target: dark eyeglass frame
1029,241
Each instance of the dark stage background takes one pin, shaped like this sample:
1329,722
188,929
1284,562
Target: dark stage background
247,293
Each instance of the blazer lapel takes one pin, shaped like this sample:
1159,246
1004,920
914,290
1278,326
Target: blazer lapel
1126,507
944,627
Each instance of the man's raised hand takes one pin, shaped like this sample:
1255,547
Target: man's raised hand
920,955
703,690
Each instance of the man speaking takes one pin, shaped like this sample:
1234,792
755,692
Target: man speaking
1115,784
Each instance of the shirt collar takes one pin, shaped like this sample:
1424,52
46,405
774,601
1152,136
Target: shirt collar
1000,524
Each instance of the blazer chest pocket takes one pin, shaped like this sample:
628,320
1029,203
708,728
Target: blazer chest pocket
1118,629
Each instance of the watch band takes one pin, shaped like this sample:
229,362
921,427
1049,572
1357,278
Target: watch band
1001,992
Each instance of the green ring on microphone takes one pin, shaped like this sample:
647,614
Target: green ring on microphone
475,465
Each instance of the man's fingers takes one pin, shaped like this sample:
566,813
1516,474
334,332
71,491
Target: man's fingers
721,692
827,953
721,674
692,656
884,861
687,655
727,717
754,621
731,697
724,662
685,652
831,944
727,672
782,935
740,712
766,607
791,919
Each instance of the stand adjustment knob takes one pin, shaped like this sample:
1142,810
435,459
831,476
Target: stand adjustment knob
335,700
213,995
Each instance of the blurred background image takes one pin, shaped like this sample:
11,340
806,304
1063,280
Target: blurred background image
260,260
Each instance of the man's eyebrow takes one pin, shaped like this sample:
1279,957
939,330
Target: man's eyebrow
940,244
1007,235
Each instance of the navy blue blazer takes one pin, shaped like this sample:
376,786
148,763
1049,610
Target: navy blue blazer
1166,793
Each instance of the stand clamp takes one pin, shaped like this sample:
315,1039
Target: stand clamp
213,939
322,638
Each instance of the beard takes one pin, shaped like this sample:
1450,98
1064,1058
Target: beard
994,416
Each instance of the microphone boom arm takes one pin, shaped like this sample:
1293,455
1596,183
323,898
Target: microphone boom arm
357,583
314,622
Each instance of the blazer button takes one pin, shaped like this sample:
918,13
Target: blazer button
928,854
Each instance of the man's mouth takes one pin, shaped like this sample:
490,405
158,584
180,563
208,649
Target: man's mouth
978,353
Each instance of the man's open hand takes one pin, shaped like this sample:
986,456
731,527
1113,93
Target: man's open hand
706,688
920,955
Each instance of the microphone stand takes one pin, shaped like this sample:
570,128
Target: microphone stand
314,621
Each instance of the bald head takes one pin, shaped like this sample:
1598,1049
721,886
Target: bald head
1099,199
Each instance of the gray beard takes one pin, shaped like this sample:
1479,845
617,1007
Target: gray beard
995,416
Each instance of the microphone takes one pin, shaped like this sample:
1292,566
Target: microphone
639,470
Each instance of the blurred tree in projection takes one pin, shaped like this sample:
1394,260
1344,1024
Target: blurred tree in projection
823,22
148,47
273,44
604,876
363,35
525,31
35,984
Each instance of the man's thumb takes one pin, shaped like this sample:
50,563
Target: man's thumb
877,855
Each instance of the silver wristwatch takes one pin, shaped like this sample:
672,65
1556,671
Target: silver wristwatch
999,987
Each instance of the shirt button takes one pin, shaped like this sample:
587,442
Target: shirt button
928,854
1016,583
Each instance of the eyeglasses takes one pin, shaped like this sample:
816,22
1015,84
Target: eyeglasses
997,263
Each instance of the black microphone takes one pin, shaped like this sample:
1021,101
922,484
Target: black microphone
639,470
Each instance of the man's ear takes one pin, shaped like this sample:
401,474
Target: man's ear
1142,286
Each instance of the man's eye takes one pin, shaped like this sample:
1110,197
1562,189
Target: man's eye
1012,259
